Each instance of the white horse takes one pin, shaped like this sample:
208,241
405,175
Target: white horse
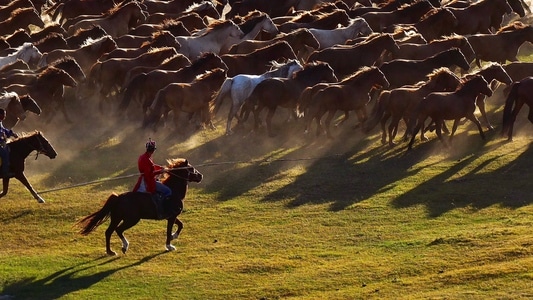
327,38
27,53
239,88
219,35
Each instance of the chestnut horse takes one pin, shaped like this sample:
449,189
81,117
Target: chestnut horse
349,94
127,209
21,18
440,106
195,97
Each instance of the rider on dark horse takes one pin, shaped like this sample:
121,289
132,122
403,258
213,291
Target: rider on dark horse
147,181
5,133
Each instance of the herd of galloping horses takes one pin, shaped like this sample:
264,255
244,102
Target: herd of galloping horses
422,62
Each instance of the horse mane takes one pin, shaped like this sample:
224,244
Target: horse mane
6,97
50,70
198,5
357,74
90,42
218,24
173,163
96,28
117,7
249,16
310,67
512,26
19,11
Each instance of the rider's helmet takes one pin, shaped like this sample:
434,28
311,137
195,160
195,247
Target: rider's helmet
150,145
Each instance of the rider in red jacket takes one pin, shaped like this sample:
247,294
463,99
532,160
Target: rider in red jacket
149,170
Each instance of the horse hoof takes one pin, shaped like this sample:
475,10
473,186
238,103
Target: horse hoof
170,247
111,253
40,200
124,250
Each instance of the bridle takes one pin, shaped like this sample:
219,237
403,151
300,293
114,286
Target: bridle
179,176
40,149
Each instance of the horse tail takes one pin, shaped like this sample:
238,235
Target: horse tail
132,91
377,111
221,94
92,221
509,103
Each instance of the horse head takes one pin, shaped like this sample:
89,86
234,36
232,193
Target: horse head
180,168
40,144
29,53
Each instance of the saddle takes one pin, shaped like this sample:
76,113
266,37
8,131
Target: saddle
162,206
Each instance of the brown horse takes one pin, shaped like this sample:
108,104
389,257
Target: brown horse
175,62
116,22
403,72
362,54
273,9
64,10
79,38
330,20
349,94
285,92
20,149
521,93
190,98
455,105
399,103
143,88
127,209
258,61
51,42
502,46
48,90
21,18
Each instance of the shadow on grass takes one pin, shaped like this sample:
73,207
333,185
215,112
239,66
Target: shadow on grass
68,280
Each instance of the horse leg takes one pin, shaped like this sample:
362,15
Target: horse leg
22,178
109,231
438,131
393,129
120,232
171,236
474,119
383,122
480,102
5,182
413,136
346,117
268,121
330,116
518,105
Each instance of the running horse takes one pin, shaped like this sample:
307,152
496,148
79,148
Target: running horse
20,148
440,106
16,107
127,209
27,53
520,94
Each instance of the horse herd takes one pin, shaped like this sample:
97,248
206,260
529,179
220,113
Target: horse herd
156,61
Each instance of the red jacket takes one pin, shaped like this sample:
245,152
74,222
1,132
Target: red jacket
148,170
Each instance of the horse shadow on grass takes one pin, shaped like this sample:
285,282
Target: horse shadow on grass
475,189
68,280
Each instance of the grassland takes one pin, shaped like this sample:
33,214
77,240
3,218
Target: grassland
290,217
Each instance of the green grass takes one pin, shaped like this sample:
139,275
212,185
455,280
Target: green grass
291,217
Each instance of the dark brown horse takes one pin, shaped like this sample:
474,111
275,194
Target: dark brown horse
480,16
406,14
285,92
399,103
363,54
403,72
300,40
79,38
20,149
502,46
127,209
350,94
191,98
423,51
64,10
258,61
175,62
435,24
441,106
21,18
521,93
